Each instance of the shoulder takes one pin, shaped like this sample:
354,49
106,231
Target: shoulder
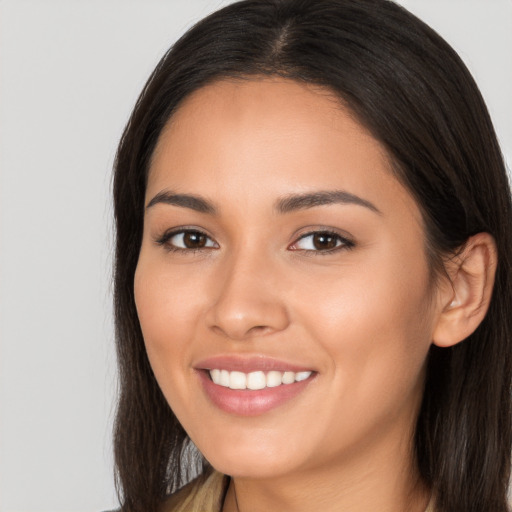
203,494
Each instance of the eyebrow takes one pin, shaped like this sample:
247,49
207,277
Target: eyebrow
190,201
310,200
287,204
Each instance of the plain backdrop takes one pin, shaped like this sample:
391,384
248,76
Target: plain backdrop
70,72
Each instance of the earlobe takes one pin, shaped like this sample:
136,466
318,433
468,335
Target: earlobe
464,304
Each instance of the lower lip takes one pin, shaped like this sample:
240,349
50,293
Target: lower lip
248,402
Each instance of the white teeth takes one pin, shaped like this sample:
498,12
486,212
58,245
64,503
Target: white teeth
215,375
288,377
301,376
256,380
274,379
224,378
237,380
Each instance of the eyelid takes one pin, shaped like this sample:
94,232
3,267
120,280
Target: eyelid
346,242
164,239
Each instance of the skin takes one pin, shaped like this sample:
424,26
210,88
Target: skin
362,317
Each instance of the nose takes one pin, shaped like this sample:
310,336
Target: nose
249,300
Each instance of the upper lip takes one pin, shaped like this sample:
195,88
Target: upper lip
247,364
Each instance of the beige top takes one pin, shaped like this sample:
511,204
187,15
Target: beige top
206,494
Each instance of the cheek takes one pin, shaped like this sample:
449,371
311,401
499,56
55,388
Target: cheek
165,307
376,328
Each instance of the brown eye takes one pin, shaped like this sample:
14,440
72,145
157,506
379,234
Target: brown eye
322,241
187,240
194,240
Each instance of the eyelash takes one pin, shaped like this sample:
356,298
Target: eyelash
166,237
345,244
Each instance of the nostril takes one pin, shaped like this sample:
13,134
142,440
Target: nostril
259,328
242,333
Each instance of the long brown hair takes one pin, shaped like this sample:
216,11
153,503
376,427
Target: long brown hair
411,90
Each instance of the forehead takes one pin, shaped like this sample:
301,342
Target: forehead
261,99
260,108
270,136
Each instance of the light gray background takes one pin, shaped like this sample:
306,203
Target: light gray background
70,72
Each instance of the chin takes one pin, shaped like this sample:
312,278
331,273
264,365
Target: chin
254,460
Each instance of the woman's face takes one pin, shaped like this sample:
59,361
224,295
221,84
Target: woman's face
280,253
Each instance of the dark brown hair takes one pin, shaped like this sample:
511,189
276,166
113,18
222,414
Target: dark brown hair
411,90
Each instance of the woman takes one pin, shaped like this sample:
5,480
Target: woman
312,275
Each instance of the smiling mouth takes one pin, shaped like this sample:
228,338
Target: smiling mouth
252,386
256,380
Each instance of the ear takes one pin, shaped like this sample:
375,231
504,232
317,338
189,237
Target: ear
464,301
